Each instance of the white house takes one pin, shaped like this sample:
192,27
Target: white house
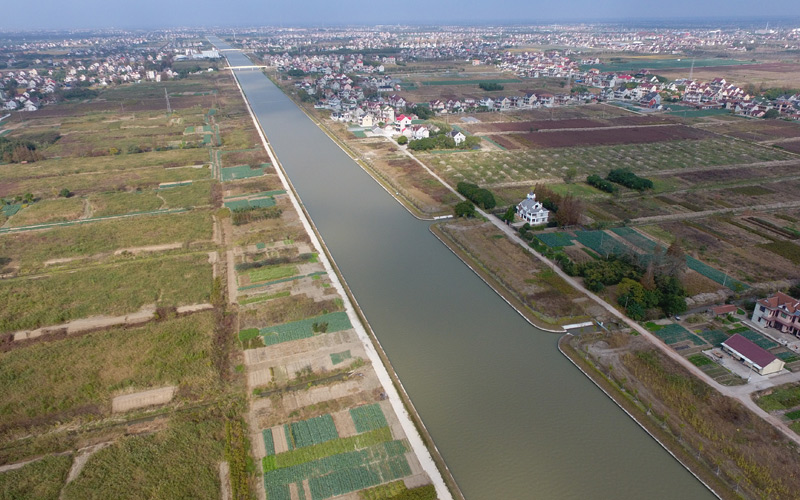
457,136
532,211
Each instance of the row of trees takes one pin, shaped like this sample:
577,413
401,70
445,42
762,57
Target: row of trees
490,86
598,182
442,141
621,176
478,195
628,179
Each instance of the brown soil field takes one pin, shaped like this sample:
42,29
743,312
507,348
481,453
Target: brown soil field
601,137
792,146
760,130
507,141
767,74
528,125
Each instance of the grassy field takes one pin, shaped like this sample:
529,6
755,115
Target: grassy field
195,194
82,374
114,290
58,210
30,250
76,165
178,462
104,204
40,480
83,184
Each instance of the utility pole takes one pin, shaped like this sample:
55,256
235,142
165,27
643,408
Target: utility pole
166,96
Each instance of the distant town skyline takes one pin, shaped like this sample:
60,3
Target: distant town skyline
185,13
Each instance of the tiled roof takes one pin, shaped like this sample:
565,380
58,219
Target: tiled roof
749,350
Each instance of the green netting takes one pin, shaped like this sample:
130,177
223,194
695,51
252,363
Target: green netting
188,130
358,133
266,202
269,444
261,246
714,337
637,239
601,243
301,492
338,357
304,328
327,449
674,333
714,274
758,339
239,172
9,210
555,239
787,357
312,431
345,472
250,203
368,417
237,205
276,491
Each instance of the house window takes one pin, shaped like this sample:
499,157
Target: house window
783,315
763,309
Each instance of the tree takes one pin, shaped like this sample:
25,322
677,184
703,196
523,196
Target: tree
464,209
508,217
771,114
65,193
28,198
570,211
402,140
570,174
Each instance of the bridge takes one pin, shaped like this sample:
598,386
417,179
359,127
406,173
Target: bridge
246,67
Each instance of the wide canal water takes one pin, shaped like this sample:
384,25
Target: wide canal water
512,417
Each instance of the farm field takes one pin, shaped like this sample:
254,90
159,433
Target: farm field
77,376
658,64
121,154
157,465
29,252
115,289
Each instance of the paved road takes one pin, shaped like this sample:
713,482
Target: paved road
743,395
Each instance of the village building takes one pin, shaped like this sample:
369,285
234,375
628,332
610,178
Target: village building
779,311
761,361
532,211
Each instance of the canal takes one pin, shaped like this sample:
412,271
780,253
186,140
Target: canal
511,416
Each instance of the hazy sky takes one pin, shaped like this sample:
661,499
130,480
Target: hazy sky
165,13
